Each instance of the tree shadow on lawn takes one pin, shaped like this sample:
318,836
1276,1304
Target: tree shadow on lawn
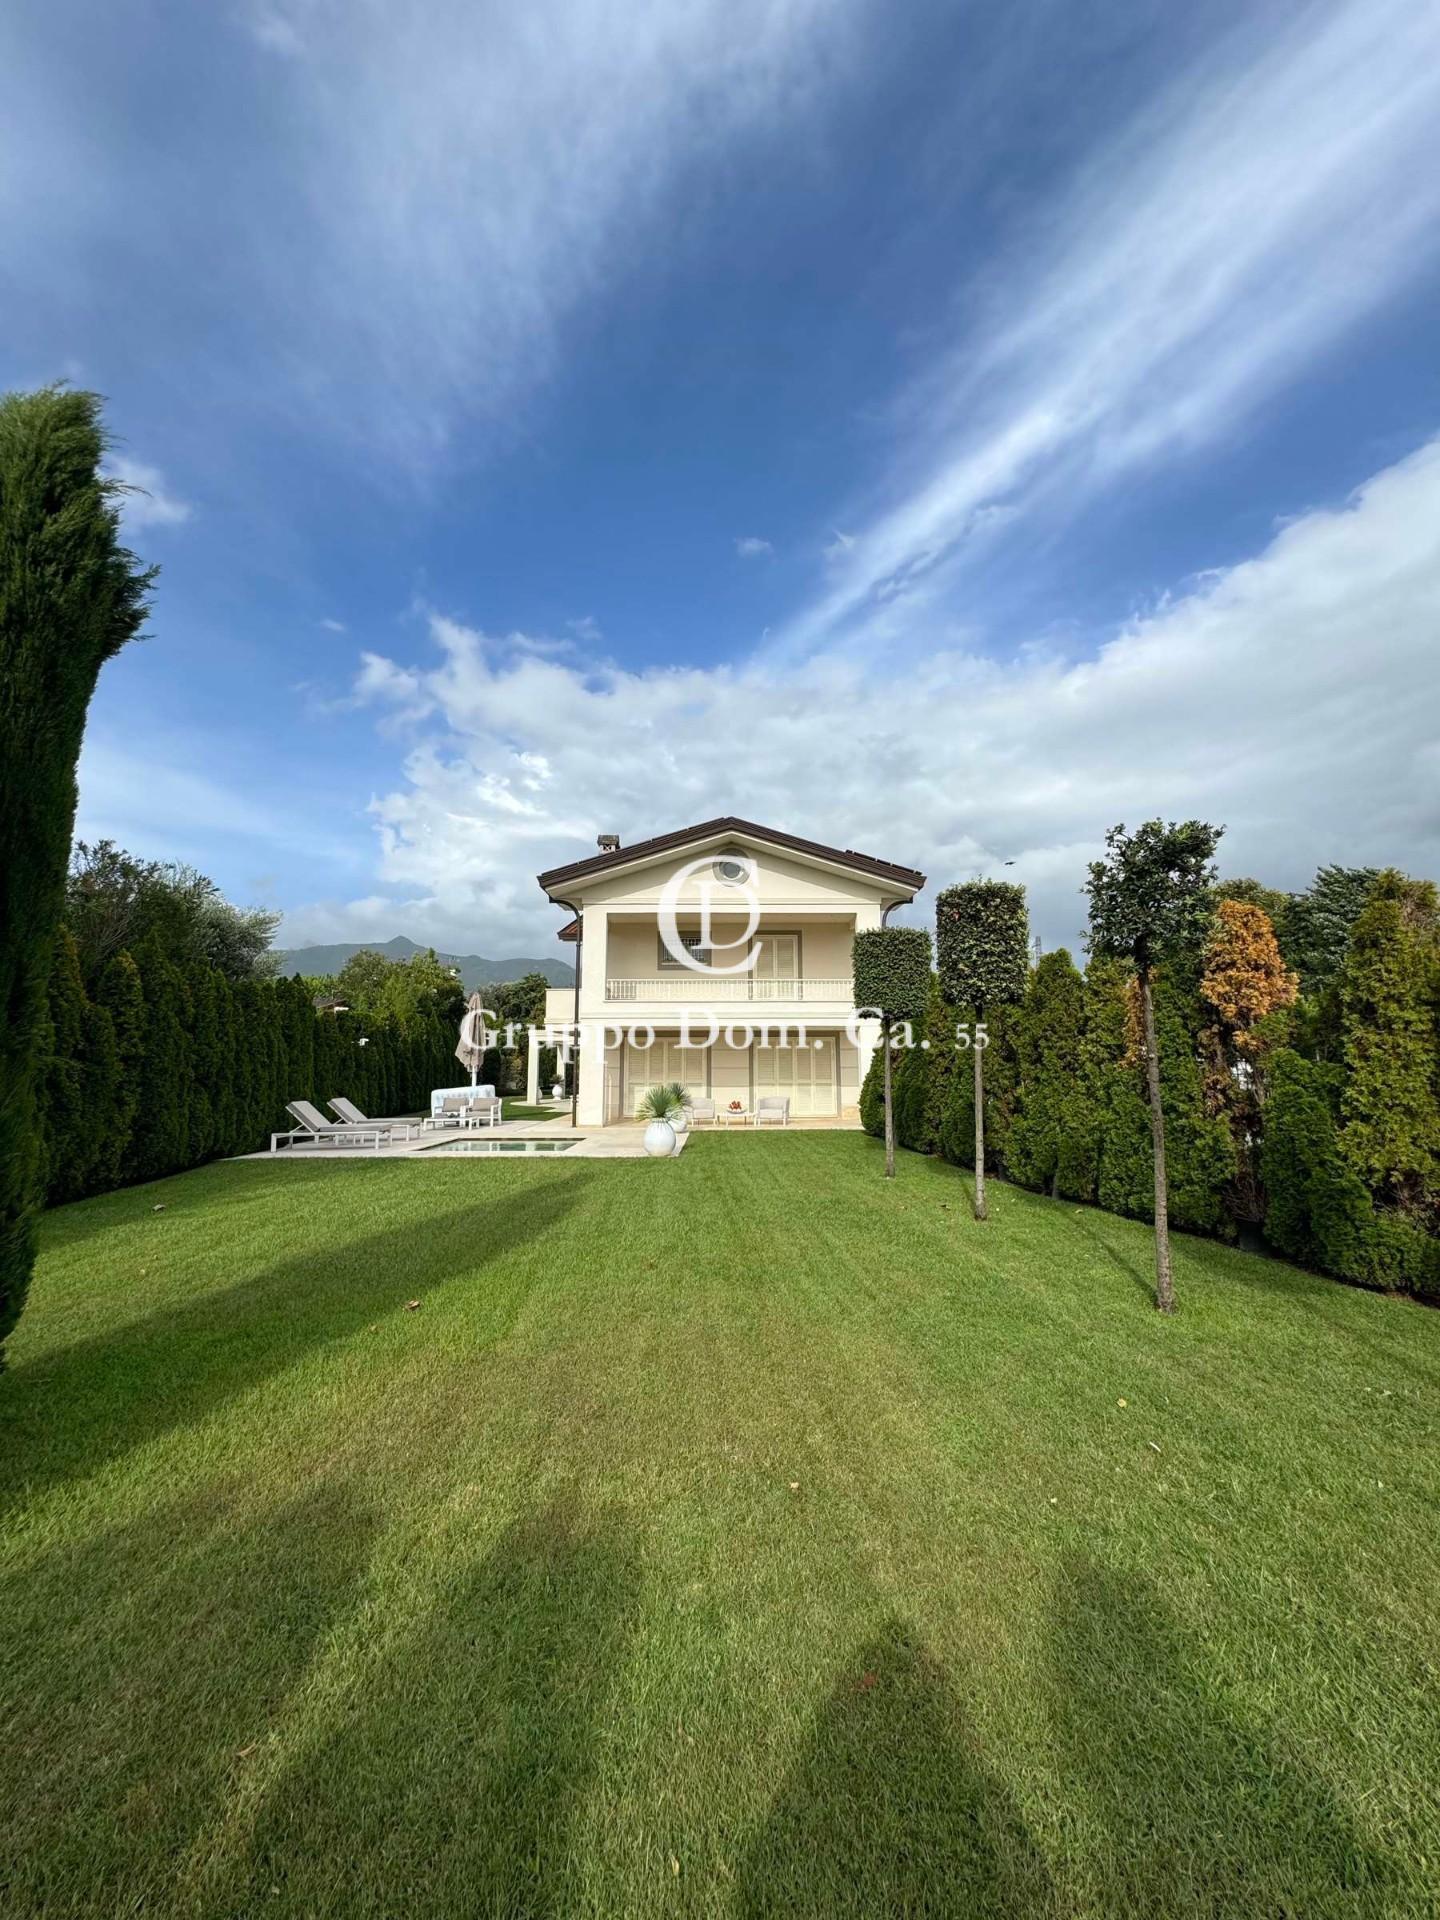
1140,1273
891,1809
246,1184
146,1667
453,1774
71,1411
1183,1809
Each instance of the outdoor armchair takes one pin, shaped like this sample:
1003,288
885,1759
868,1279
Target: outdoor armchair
773,1106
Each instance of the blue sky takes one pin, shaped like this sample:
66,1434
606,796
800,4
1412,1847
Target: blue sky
942,430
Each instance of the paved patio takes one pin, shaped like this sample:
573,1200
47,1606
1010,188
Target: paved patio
621,1140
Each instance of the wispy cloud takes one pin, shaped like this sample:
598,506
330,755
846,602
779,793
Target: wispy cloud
334,626
752,547
148,501
964,761
1262,206
474,174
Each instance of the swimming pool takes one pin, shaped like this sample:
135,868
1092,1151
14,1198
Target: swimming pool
501,1146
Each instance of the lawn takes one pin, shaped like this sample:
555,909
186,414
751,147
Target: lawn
737,1534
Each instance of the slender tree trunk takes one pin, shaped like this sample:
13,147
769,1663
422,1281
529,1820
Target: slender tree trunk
979,1053
1164,1284
889,1107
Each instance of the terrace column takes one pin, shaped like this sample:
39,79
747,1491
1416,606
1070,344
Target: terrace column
532,1065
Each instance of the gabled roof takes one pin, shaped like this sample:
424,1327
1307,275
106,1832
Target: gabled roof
905,877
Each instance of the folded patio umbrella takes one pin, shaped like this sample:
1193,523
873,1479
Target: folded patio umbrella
471,1050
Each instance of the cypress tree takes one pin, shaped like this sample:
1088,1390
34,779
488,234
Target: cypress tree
300,1024
1390,1123
1049,1043
920,1074
70,598
120,999
68,1118
207,1068
160,1136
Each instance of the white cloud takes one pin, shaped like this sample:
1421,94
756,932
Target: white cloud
1264,204
752,547
149,503
334,626
1271,696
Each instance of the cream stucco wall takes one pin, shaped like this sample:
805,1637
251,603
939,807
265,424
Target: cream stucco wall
824,905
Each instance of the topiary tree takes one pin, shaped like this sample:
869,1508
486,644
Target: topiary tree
892,981
70,597
982,937
1149,898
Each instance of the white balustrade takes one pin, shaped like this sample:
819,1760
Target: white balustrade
703,989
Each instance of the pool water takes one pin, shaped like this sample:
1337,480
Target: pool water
501,1146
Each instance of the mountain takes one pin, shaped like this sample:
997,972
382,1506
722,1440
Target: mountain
475,969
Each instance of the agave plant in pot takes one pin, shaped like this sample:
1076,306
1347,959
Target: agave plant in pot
661,1108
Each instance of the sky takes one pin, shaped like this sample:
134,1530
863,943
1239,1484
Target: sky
945,431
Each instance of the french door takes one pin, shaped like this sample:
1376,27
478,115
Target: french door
808,1076
666,1060
777,967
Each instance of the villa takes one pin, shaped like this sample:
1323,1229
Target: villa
719,956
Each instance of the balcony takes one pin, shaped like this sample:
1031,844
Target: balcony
710,989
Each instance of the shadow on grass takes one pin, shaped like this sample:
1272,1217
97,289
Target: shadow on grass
78,1407
1183,1809
235,1184
1140,1273
455,1773
891,1810
147,1666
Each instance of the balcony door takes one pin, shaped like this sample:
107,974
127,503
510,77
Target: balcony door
777,966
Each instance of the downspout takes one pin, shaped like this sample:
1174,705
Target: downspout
579,917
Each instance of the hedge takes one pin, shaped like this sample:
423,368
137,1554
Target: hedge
166,1068
1066,1115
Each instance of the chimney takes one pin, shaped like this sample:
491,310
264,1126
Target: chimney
608,842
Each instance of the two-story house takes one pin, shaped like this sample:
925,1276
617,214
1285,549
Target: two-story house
719,956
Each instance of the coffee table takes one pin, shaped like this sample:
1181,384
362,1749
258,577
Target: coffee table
734,1119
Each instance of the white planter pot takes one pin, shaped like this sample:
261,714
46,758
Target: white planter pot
660,1139
557,1092
680,1121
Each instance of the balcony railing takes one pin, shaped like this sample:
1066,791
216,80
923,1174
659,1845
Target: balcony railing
704,988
